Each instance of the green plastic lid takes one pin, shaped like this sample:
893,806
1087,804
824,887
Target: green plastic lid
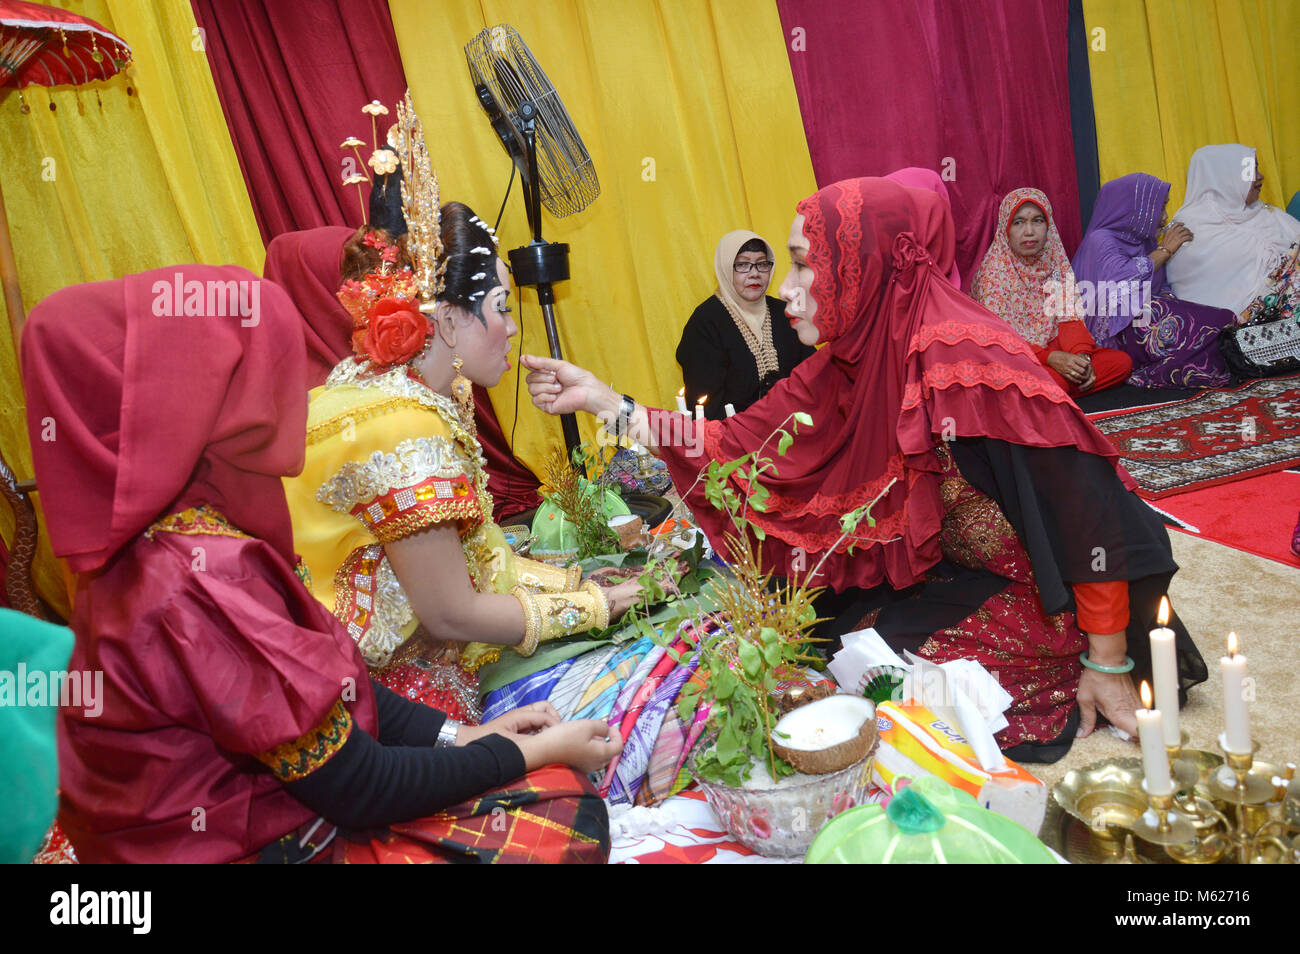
929,822
553,532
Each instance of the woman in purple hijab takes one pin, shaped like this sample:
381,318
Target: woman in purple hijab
1128,304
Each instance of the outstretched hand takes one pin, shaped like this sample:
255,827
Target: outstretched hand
558,387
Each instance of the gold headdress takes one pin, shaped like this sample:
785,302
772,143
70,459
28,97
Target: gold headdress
420,203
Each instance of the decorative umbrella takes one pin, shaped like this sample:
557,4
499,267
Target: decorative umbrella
45,46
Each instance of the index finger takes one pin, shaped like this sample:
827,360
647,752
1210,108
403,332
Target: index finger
539,363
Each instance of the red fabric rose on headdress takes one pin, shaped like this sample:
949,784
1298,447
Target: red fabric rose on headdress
395,331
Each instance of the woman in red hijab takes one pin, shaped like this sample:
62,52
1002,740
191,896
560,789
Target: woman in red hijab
236,720
1005,530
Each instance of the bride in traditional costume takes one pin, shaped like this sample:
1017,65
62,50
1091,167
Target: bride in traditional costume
391,513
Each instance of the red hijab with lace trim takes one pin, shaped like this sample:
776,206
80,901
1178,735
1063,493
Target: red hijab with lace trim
909,360
1016,288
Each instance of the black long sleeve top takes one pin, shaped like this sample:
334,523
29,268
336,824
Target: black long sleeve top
716,361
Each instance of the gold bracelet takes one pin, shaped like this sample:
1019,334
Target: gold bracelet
601,607
541,577
563,614
532,621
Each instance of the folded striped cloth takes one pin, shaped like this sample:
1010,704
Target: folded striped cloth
651,659
676,739
640,699
599,696
630,772
534,688
569,690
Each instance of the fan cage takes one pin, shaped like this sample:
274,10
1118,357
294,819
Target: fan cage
499,59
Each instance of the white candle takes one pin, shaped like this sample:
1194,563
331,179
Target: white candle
681,400
1236,714
1155,760
1164,666
699,407
730,409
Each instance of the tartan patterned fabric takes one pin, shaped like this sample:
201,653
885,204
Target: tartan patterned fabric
534,688
550,816
568,692
599,697
635,758
676,739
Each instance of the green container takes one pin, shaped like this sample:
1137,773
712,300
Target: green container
554,535
929,822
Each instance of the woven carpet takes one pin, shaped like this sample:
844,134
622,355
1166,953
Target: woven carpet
1218,436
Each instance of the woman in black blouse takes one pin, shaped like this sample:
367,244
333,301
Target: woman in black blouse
738,342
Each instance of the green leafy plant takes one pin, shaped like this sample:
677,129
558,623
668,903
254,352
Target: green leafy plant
578,490
760,631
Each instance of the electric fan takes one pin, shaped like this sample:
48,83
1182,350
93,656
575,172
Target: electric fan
533,126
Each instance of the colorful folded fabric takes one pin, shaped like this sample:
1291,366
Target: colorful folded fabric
674,744
569,690
640,699
634,682
534,688
637,749
600,695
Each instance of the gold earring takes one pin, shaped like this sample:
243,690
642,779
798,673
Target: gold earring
462,388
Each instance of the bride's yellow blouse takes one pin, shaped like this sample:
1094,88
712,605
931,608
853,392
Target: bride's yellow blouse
388,457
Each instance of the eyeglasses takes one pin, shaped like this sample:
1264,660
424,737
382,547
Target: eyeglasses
744,268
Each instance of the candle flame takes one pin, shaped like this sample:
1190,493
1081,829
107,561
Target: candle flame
1162,617
681,392
702,399
1232,644
1146,695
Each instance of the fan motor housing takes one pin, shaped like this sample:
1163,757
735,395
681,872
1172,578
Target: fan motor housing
540,263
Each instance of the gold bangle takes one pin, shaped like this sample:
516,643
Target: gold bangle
602,605
532,621
574,577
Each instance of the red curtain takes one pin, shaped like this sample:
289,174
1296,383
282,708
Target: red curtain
292,78
977,90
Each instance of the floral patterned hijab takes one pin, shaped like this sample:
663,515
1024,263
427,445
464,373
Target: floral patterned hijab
1013,287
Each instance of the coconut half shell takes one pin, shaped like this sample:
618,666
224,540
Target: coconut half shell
827,735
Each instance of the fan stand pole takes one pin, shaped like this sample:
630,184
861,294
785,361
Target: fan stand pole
541,263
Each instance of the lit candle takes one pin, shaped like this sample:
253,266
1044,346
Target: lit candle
681,400
1236,714
1155,760
730,409
1164,665
699,407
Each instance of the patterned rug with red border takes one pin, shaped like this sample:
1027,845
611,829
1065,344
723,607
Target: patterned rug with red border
1216,437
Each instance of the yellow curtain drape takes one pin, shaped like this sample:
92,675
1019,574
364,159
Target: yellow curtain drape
1169,76
121,176
689,111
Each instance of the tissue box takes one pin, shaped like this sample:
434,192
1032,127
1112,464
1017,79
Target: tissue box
914,742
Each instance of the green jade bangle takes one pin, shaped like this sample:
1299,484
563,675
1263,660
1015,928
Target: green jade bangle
1111,670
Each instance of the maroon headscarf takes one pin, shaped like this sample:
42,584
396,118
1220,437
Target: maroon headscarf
135,414
909,361
917,177
306,265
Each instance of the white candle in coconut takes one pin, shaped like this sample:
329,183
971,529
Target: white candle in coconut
1155,760
1164,669
699,407
1236,714
730,409
681,400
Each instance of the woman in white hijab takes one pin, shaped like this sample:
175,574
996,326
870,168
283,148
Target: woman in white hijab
738,342
1241,249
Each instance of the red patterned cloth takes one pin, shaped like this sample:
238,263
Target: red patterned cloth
1034,656
549,816
910,361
